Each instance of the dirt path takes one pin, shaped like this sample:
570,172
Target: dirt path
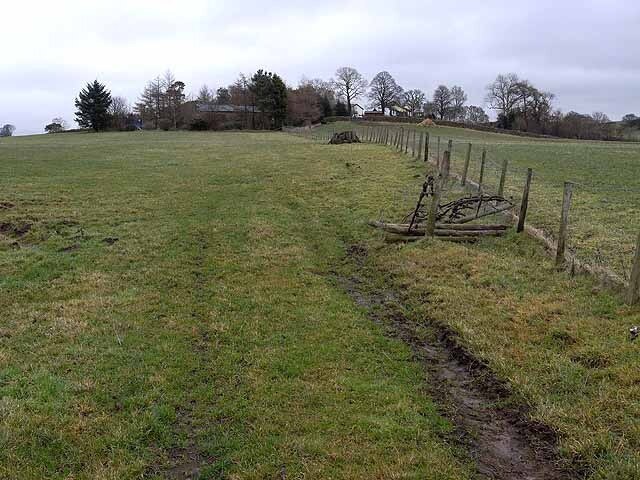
503,444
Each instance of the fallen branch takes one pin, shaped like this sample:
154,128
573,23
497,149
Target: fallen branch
484,213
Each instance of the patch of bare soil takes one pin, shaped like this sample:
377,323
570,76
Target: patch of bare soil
188,460
16,229
504,444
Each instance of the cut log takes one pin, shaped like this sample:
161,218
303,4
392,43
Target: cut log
471,233
391,237
471,226
403,228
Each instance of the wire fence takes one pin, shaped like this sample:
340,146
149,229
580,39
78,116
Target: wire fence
596,227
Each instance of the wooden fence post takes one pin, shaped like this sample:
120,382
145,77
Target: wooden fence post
438,153
446,166
564,223
525,201
426,147
503,177
401,138
482,163
419,152
406,145
467,160
633,295
433,208
413,144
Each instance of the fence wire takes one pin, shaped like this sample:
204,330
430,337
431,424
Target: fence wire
604,218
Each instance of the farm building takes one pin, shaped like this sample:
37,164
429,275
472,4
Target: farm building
224,116
357,110
398,111
374,113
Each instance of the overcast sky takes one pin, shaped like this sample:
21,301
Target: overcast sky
587,52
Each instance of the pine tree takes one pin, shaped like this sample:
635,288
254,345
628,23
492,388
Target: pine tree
271,96
93,104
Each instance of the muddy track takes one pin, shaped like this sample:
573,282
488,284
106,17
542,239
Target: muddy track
188,460
501,441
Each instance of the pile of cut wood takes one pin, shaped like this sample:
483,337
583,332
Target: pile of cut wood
344,137
451,232
450,221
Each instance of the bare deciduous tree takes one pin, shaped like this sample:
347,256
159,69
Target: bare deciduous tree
413,101
600,118
119,111
384,91
442,101
349,84
502,94
458,99
62,122
57,125
474,114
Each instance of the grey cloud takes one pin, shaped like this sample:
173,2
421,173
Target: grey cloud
586,52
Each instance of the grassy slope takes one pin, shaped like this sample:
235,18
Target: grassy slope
212,327
605,213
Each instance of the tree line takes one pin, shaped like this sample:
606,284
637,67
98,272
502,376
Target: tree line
521,106
263,100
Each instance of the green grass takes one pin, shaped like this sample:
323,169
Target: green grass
212,326
605,212
562,343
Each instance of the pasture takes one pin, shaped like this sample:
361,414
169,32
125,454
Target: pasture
171,305
605,211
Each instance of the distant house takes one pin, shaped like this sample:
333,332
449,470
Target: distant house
212,107
398,111
374,113
357,110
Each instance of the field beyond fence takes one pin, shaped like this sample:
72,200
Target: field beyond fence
604,178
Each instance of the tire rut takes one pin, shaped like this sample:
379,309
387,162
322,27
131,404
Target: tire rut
500,439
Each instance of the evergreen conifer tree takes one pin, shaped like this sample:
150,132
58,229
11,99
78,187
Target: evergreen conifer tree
93,104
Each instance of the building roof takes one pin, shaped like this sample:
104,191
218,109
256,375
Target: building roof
224,108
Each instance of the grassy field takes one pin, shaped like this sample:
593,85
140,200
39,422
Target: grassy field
605,212
169,304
